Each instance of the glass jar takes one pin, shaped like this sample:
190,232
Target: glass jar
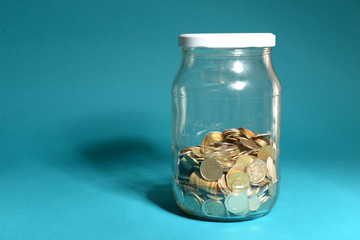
226,101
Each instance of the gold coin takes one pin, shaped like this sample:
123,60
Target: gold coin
263,135
236,168
251,152
200,159
223,186
242,181
239,185
211,169
216,197
193,178
228,150
196,180
185,150
271,168
266,152
260,142
231,131
227,165
256,170
249,144
236,202
218,156
197,152
213,208
221,144
206,149
244,159
246,132
221,157
212,137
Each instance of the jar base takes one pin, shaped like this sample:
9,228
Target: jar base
223,219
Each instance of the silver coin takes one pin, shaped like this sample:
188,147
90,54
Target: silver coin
213,208
211,169
236,202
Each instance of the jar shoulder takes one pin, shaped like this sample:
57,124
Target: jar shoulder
226,81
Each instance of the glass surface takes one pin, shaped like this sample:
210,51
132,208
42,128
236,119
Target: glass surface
215,90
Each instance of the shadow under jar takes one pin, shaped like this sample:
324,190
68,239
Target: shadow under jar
226,101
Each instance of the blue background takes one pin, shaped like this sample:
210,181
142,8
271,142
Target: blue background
85,117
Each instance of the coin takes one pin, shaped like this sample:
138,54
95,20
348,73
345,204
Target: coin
216,197
197,152
223,186
244,212
244,159
266,152
254,203
236,202
211,169
237,167
252,191
237,164
185,164
189,162
260,142
233,169
249,144
238,181
231,131
265,203
193,189
185,150
246,132
192,202
271,168
228,164
264,198
183,170
272,189
256,170
212,137
239,185
263,135
194,178
213,208
210,187
218,156
206,149
263,189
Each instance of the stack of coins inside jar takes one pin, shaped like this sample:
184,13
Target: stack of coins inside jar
231,174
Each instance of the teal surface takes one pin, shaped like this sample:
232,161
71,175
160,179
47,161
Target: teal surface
85,117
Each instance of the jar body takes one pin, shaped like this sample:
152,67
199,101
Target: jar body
226,133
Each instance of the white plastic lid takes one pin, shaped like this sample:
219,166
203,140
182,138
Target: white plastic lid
227,40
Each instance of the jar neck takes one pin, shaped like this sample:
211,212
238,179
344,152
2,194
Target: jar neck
225,52
222,57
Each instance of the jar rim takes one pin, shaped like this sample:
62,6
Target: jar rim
235,52
226,40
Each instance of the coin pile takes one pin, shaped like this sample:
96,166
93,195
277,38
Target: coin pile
231,174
